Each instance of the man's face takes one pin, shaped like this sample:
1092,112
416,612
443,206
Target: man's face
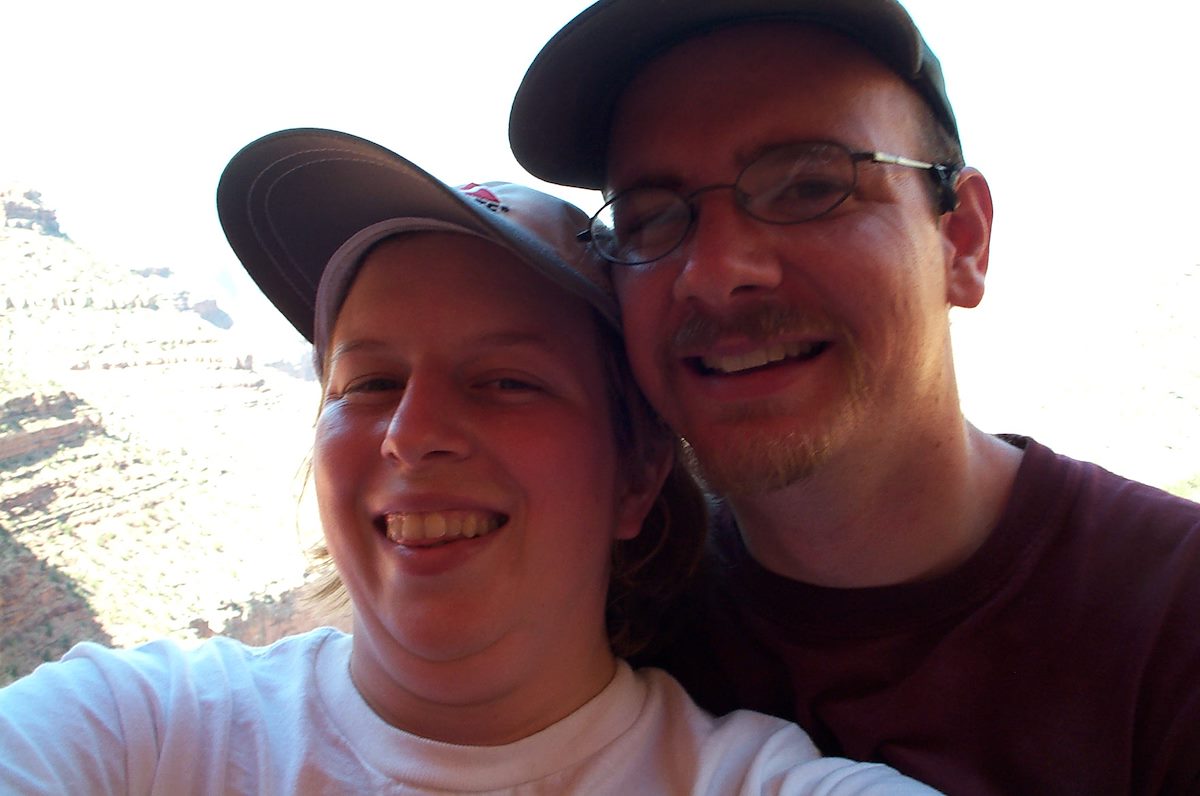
773,348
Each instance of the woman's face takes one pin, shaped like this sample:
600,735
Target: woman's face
465,468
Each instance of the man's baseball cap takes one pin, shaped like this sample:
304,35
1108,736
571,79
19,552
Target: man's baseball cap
302,207
563,108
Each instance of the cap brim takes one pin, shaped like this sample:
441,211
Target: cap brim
289,200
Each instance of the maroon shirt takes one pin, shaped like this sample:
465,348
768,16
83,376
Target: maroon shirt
1062,658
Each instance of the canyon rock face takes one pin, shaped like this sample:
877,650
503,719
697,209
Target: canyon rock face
152,471
23,209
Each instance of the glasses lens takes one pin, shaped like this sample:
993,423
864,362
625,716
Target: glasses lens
796,182
640,225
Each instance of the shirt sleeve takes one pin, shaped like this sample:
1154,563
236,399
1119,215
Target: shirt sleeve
771,757
61,732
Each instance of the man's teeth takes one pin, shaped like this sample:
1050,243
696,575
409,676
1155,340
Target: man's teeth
756,359
440,526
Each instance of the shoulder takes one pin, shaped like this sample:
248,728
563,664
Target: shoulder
1130,546
1124,567
1121,522
114,719
167,663
745,752
1046,474
161,679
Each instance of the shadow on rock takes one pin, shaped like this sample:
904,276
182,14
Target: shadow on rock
42,612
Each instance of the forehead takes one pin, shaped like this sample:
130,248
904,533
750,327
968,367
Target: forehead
726,94
437,278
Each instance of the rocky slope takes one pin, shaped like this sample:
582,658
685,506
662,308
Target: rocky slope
150,468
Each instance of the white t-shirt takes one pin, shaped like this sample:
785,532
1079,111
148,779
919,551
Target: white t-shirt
224,718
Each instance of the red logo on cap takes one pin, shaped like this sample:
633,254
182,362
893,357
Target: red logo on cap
484,196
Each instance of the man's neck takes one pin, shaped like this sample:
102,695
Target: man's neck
878,519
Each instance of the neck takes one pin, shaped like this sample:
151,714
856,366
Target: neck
903,510
483,700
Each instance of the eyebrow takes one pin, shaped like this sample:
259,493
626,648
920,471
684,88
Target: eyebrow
676,182
742,157
502,339
351,346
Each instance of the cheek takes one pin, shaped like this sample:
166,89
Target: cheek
340,450
569,472
895,297
872,268
644,292
645,299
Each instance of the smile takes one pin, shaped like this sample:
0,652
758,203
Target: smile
752,360
427,528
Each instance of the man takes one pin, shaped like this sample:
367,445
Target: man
789,222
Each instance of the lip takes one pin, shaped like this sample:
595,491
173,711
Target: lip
758,357
435,556
757,382
443,559
427,529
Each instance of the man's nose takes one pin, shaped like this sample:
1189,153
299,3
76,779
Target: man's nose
726,255
426,427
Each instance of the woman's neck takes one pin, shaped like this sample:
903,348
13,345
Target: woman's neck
488,699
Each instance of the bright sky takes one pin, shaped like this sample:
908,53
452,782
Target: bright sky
1082,115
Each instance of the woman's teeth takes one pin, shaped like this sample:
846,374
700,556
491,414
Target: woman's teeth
440,526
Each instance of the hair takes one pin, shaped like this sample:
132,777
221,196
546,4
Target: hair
649,570
940,145
652,568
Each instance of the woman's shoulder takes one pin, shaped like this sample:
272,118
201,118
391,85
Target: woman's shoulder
748,752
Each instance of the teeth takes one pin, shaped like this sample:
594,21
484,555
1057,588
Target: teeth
776,352
439,526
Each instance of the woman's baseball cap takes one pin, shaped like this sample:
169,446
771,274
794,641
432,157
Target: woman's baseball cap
302,207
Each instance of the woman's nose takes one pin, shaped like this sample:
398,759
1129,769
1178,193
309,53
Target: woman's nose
426,426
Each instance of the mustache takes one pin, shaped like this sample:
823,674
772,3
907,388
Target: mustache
760,324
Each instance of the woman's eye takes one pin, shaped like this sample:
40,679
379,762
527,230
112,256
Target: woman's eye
509,384
372,384
516,386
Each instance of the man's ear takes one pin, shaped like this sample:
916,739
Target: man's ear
967,234
641,490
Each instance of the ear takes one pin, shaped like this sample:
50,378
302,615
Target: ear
967,234
640,491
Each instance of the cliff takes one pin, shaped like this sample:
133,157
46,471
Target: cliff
151,470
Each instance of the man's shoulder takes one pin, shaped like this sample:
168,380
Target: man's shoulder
1088,494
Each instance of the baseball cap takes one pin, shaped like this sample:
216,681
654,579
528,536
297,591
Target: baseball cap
563,108
302,207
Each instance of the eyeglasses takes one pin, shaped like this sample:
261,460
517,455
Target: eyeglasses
785,185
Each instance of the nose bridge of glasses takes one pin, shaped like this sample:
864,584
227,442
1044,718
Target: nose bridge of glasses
690,198
740,203
693,217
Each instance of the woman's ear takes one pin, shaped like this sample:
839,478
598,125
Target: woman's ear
640,491
967,233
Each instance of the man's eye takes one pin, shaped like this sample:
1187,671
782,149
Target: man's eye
633,226
807,190
801,197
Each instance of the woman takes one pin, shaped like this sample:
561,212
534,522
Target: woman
485,470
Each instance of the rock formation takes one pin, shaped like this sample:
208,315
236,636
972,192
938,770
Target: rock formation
150,469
